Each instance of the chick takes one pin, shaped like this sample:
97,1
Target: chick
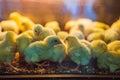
0,28
84,21
109,60
59,54
77,51
89,26
23,22
87,43
97,30
111,35
113,59
98,47
114,46
116,26
85,25
40,32
40,50
10,25
62,35
96,36
8,48
53,25
69,25
2,35
77,33
100,25
23,40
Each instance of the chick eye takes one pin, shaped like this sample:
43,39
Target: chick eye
55,41
67,39
23,23
35,30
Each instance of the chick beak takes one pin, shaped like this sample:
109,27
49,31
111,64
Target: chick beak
60,42
40,33
65,40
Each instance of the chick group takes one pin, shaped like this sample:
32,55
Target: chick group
81,40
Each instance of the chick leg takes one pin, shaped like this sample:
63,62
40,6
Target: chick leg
76,68
62,66
16,69
42,64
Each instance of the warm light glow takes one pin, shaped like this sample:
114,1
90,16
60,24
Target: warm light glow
80,8
72,6
89,12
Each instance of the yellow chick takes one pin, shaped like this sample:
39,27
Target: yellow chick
100,25
109,60
96,36
97,30
40,50
2,35
62,35
114,46
84,21
98,47
116,26
85,25
77,33
0,28
8,48
23,40
90,27
70,24
53,25
23,22
10,25
87,43
59,53
40,32
77,51
111,35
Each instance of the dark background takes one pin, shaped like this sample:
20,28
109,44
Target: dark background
41,11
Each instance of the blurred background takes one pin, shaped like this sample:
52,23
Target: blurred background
42,11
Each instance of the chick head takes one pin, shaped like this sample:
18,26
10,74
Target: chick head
114,46
96,36
62,35
71,40
70,24
111,35
53,25
52,40
98,47
59,53
38,29
10,35
14,14
81,27
116,26
100,25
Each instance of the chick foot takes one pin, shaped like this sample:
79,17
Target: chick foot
16,69
44,64
63,67
75,69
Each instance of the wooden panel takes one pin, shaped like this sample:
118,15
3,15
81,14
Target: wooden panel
60,76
